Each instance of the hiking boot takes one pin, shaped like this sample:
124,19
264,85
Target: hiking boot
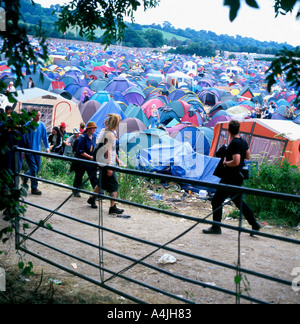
92,202
213,230
115,210
255,227
77,194
24,181
36,192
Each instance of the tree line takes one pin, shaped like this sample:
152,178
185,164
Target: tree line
183,41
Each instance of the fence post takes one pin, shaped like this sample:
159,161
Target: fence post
238,277
16,187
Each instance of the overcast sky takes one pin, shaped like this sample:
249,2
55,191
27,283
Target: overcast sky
211,15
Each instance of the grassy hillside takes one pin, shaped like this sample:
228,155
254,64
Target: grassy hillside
168,35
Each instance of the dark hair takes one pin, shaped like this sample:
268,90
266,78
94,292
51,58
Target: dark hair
234,127
7,108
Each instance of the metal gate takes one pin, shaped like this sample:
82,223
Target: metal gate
133,272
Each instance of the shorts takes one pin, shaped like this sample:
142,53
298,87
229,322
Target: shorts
109,184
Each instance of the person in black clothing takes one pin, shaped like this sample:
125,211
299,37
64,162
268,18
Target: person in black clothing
55,140
85,150
234,161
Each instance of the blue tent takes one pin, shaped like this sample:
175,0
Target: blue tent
167,115
101,114
200,138
101,96
297,120
72,88
137,112
179,160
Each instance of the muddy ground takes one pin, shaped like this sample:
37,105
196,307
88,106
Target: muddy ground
260,254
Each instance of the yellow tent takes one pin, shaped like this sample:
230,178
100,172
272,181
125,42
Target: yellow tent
55,109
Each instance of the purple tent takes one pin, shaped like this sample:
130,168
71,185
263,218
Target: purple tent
209,96
174,130
176,94
130,125
88,109
217,119
134,96
119,84
278,116
206,83
80,92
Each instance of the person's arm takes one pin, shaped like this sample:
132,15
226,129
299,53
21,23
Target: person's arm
87,156
108,145
45,139
236,160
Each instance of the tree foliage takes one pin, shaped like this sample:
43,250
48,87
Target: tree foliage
109,16
280,7
287,62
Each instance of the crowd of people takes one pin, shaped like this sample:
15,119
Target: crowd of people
267,110
83,146
86,147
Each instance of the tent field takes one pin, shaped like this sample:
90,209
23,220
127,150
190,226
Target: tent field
196,98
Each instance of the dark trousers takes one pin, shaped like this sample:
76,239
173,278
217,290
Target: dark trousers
79,173
34,164
220,196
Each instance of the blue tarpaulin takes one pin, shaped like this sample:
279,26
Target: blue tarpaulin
178,159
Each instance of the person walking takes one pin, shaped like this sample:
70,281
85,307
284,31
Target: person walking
155,117
74,139
107,155
236,154
35,138
85,150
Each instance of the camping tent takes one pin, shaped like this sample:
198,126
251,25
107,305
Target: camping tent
209,96
55,109
178,159
133,95
130,125
101,114
199,138
137,112
88,109
271,139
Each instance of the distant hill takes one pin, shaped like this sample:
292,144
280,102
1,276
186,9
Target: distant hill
151,35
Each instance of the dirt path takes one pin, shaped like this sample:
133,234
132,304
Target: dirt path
260,254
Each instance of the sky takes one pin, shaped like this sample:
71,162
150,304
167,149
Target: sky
212,15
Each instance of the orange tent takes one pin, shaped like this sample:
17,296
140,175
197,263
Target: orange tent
271,139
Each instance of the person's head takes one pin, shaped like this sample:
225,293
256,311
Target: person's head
76,132
55,130
82,125
234,127
91,128
112,122
63,126
8,110
38,115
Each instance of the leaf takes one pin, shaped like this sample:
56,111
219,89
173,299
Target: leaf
234,8
21,265
237,279
252,3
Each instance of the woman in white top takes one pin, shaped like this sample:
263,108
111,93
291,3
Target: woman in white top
155,116
106,154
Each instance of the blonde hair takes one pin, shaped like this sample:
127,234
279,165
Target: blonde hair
112,121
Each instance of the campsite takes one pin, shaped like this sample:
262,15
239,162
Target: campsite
194,111
194,107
